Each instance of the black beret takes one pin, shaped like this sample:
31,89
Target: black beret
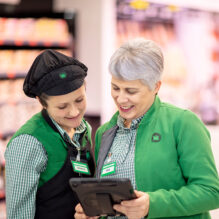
54,73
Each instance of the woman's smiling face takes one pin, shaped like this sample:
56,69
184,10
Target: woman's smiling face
68,110
133,98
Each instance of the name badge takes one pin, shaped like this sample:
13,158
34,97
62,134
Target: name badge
108,169
80,167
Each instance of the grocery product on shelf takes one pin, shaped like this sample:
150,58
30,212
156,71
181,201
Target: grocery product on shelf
32,32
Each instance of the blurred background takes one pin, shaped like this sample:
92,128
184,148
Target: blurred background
187,31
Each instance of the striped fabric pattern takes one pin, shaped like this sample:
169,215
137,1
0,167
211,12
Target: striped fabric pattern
122,152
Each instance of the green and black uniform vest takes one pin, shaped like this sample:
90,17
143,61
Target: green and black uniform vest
54,198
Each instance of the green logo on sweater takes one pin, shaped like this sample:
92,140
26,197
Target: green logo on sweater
156,137
62,75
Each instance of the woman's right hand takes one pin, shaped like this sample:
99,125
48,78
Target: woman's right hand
80,213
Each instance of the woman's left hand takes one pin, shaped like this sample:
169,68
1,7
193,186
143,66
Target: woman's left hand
79,213
136,208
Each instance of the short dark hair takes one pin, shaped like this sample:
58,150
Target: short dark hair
43,99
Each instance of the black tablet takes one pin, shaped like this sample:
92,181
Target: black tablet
97,196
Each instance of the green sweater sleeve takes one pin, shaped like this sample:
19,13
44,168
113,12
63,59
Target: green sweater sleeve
201,192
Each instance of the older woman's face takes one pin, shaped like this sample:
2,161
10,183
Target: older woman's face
133,98
67,110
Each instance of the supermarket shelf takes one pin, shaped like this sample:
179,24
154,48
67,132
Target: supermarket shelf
11,75
19,44
67,14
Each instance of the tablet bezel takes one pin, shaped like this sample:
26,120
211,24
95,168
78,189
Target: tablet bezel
97,196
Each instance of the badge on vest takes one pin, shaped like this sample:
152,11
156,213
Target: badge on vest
108,169
80,167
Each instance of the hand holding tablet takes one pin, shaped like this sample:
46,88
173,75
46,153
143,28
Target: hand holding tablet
97,196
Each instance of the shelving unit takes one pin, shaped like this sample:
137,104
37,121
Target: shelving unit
22,38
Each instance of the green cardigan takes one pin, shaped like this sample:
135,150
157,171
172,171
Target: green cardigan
52,141
174,163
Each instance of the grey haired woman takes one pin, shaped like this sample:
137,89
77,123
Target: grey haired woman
165,151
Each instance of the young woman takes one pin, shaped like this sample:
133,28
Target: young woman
54,145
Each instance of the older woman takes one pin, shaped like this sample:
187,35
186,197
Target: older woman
53,146
164,150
